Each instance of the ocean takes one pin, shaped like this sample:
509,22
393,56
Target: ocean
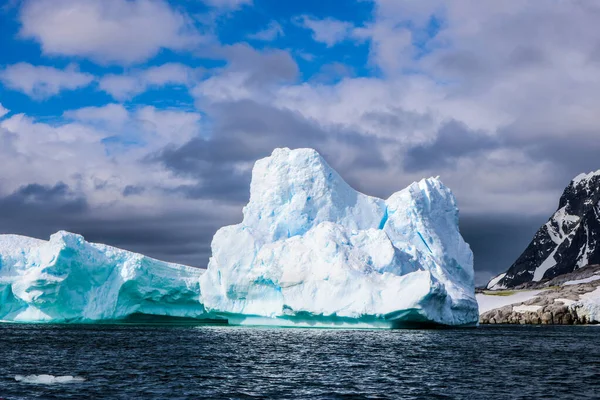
223,362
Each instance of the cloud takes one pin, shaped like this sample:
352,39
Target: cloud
227,4
329,30
41,82
270,33
248,73
112,115
57,198
453,141
107,31
172,235
3,111
497,240
127,86
143,126
332,72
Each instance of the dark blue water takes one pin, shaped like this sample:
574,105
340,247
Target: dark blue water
187,362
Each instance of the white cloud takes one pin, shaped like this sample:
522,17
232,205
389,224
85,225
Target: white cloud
270,33
249,73
112,115
123,87
40,82
107,31
3,111
149,126
167,127
329,31
227,4
99,152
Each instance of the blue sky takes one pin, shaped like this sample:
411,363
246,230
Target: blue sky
136,122
229,26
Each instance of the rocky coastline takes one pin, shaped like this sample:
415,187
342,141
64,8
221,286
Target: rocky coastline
560,301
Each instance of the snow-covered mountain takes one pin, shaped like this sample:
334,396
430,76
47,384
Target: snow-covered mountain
568,241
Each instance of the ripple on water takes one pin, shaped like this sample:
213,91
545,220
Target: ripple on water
184,362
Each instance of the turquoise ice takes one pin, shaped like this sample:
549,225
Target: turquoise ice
67,279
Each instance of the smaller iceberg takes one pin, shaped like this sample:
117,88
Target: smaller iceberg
48,379
67,279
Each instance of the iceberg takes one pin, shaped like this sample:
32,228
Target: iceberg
67,279
313,251
310,251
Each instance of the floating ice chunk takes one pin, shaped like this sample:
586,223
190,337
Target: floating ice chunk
48,379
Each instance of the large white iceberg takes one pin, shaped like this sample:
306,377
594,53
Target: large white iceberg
67,279
312,250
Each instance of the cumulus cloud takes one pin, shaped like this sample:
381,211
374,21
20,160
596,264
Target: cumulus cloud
41,82
227,4
125,86
111,115
271,32
3,111
329,30
107,31
248,73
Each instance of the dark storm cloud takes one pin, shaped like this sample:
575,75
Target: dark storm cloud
131,190
38,201
453,141
497,240
171,237
398,119
569,153
245,131
39,211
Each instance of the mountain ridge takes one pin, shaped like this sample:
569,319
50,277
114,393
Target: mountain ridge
568,241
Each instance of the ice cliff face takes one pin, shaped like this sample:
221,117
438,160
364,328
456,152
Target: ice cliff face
568,241
67,279
311,249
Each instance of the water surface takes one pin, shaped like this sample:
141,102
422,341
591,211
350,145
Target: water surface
221,362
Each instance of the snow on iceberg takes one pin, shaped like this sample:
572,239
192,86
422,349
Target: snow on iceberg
311,250
67,279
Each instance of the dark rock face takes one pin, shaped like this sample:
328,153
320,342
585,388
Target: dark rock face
568,241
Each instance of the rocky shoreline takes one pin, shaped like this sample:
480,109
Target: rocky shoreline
564,300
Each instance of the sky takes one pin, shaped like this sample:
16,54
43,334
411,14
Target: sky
136,122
